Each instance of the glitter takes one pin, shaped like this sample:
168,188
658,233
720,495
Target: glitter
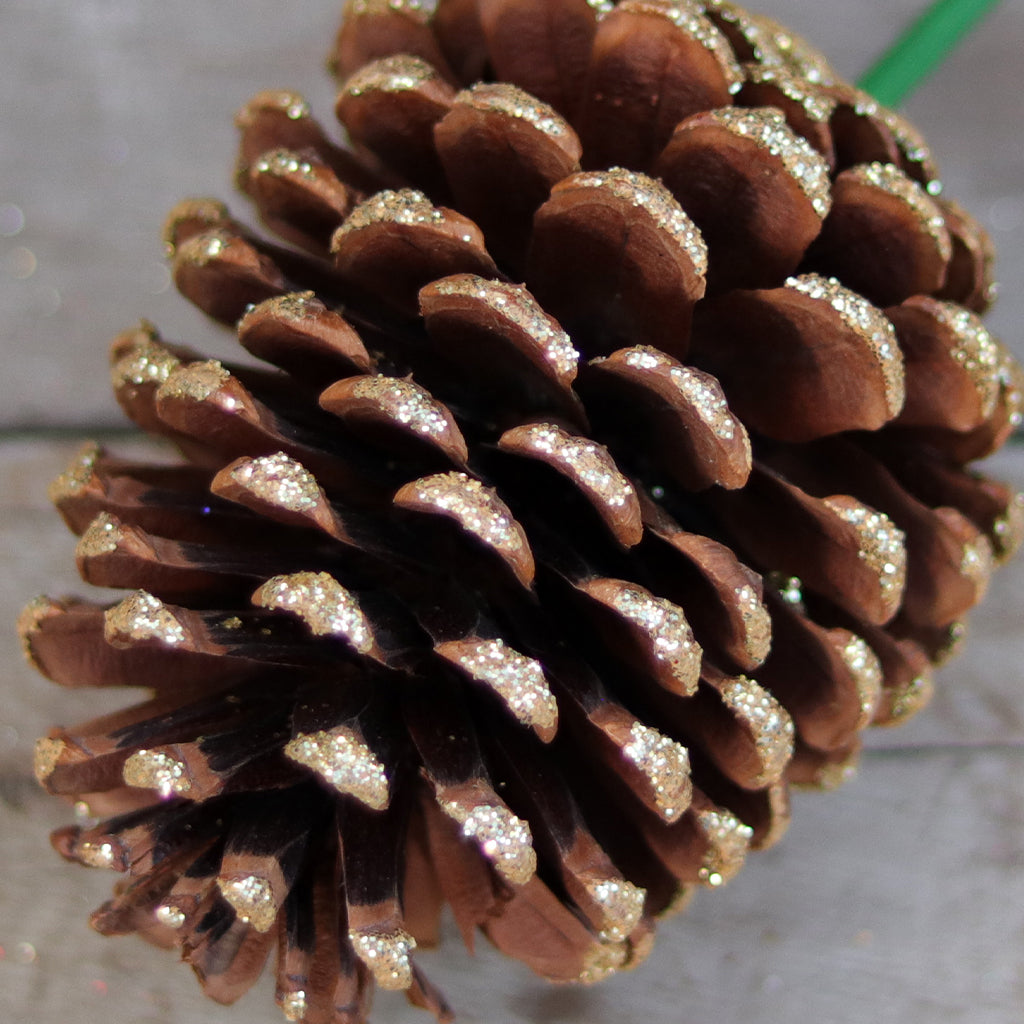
654,200
195,382
757,623
344,761
687,16
622,904
768,722
974,348
478,510
766,127
1009,527
399,73
666,631
586,462
817,105
294,1006
145,362
832,776
252,898
754,33
279,480
891,180
866,670
666,764
977,563
798,54
880,545
518,680
866,320
45,757
913,147
140,617
504,839
283,163
291,104
97,855
78,474
503,98
101,537
728,842
701,391
905,701
387,956
602,961
153,769
406,402
294,306
406,206
170,916
372,8
201,249
515,305
322,603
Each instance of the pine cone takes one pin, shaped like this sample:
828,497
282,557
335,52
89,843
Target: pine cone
460,602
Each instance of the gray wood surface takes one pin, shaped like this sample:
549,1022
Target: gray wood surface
898,898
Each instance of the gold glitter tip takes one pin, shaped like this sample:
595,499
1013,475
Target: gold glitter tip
602,961
766,127
757,624
654,200
153,769
407,403
903,702
769,723
622,904
478,510
504,839
279,480
1009,528
291,104
30,619
209,213
145,362
881,546
169,915
322,603
977,564
344,761
513,303
866,320
77,475
891,180
728,842
371,8
140,617
518,680
507,99
252,899
832,776
45,757
295,306
816,104
387,954
399,73
866,670
686,15
666,764
98,855
664,627
586,462
294,1006
101,537
404,206
195,382
283,163
701,391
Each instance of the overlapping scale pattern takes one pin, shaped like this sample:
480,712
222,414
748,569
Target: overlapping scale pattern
604,475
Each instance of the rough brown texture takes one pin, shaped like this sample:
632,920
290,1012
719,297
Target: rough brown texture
473,587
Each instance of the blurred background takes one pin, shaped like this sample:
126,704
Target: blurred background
899,898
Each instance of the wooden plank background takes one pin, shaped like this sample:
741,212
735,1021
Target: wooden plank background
898,898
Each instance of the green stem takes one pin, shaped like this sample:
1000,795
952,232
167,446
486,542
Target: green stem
924,45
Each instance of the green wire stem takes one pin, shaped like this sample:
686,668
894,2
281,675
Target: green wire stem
927,42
